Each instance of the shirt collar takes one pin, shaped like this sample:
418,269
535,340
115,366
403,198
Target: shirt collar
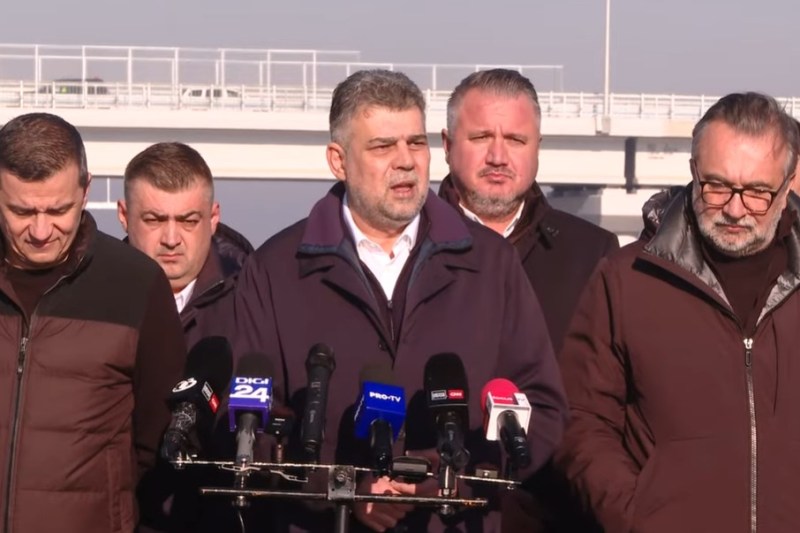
182,298
409,234
511,225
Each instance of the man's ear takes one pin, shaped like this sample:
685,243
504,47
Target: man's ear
122,214
336,155
86,190
214,217
446,145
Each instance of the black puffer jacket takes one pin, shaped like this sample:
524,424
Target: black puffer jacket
210,309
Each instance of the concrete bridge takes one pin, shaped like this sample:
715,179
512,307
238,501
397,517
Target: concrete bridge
259,117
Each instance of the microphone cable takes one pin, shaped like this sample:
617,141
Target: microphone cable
241,520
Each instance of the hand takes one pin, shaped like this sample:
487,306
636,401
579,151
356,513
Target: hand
430,454
381,516
429,487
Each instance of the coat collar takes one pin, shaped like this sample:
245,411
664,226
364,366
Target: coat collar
445,247
80,254
212,280
535,225
324,233
676,247
82,247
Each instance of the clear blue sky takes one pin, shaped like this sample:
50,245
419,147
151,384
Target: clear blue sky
680,46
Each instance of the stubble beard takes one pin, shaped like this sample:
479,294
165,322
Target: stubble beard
750,243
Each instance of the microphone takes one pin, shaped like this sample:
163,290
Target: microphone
249,403
447,394
280,424
319,367
506,415
208,369
379,416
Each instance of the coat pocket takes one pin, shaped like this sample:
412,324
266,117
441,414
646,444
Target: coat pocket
692,485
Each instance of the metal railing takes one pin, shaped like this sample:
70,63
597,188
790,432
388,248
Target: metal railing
92,77
99,95
228,66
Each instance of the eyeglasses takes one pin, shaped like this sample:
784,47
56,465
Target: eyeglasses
757,201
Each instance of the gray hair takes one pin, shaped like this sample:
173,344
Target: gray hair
499,81
368,88
753,114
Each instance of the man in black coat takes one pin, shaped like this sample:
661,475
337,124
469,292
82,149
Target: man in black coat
169,212
492,147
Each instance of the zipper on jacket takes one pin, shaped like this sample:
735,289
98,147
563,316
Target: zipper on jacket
748,362
23,347
207,290
21,359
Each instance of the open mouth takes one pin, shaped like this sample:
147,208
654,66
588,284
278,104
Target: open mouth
403,188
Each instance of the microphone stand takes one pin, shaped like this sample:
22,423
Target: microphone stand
240,482
447,486
342,523
341,488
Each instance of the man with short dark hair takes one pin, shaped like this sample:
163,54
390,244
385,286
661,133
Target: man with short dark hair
169,212
680,364
387,274
91,345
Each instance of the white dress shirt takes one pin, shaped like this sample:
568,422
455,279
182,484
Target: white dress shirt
385,267
182,298
511,225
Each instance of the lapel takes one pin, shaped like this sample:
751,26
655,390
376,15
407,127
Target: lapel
433,272
325,248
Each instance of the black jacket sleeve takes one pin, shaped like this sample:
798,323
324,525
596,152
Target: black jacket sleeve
160,361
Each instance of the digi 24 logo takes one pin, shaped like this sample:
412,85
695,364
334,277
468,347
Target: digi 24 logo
252,389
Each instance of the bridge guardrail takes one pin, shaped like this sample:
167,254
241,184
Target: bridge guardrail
94,95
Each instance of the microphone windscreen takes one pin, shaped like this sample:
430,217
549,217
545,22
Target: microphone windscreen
211,360
321,355
377,373
498,387
445,380
255,365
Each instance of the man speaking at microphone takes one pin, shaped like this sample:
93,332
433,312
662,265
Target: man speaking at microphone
383,271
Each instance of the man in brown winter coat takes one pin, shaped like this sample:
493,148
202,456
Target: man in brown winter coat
90,344
681,363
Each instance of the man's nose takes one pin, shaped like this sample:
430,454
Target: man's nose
41,228
498,152
170,235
